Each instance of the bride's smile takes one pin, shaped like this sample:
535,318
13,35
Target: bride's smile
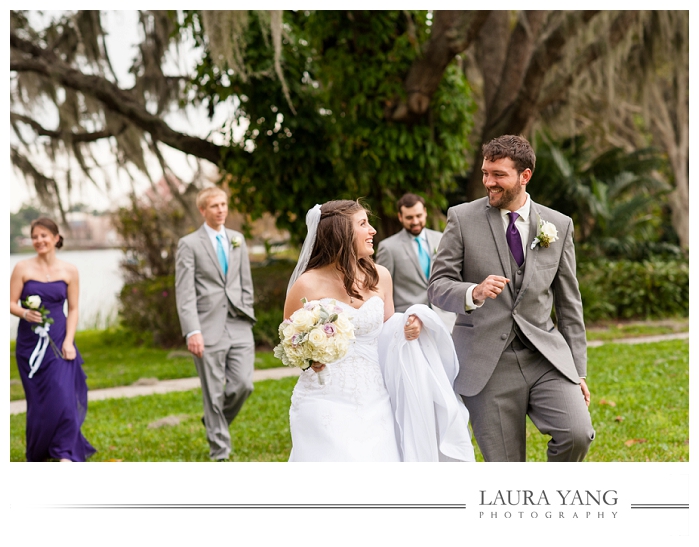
363,234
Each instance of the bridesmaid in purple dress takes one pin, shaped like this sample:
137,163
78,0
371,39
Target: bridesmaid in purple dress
54,385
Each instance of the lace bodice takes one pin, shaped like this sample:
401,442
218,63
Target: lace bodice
367,319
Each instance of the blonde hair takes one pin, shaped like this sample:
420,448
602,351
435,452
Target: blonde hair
204,195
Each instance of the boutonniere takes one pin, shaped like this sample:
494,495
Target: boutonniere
546,234
236,242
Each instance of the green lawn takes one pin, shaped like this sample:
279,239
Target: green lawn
119,428
640,404
640,410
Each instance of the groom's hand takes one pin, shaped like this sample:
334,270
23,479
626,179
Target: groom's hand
490,287
195,344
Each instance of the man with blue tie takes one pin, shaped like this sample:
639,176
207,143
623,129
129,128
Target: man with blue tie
408,256
214,293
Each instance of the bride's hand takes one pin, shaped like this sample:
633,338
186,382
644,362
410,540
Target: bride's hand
412,328
317,367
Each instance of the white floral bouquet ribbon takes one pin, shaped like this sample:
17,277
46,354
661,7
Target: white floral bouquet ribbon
40,350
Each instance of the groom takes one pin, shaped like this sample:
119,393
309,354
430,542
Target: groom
214,296
503,264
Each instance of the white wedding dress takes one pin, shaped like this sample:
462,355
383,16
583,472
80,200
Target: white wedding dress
349,419
401,409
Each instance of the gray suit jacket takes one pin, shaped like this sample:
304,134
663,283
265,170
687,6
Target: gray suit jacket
398,255
202,292
474,247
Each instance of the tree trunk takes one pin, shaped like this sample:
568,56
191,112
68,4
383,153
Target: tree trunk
514,66
452,32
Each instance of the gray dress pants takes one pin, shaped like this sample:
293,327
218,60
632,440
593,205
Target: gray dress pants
525,383
225,372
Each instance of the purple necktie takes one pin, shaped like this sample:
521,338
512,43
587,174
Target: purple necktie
514,240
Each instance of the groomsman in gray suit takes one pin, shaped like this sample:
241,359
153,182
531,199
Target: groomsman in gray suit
214,302
409,254
505,262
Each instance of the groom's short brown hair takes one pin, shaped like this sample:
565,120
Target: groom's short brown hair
515,147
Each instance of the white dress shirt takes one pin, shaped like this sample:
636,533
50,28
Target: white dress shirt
213,234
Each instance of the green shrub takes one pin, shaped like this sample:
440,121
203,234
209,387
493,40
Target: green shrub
149,311
266,330
623,289
270,279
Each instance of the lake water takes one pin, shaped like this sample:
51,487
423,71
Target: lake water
100,283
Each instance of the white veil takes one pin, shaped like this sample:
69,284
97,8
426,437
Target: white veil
312,221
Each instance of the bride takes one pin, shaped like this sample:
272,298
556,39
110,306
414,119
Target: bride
400,407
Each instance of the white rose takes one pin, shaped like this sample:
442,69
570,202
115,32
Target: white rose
344,326
288,331
303,320
550,231
34,301
317,338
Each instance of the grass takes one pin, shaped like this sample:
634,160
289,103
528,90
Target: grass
123,429
640,404
112,359
640,411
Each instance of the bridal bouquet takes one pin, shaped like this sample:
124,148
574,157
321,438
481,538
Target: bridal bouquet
314,333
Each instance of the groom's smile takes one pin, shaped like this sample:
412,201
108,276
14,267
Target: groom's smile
504,185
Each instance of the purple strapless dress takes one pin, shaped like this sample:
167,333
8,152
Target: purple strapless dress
57,392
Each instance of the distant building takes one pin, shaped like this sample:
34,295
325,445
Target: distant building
88,231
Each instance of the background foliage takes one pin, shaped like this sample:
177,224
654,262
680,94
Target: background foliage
344,70
623,289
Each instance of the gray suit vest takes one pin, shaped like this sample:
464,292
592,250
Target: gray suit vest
517,277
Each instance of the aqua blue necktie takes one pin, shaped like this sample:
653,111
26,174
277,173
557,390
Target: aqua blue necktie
221,253
424,257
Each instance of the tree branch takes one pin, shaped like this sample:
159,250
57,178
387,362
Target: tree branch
452,32
518,113
49,65
618,29
63,135
521,47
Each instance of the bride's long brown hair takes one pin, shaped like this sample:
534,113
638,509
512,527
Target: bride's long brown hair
335,245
